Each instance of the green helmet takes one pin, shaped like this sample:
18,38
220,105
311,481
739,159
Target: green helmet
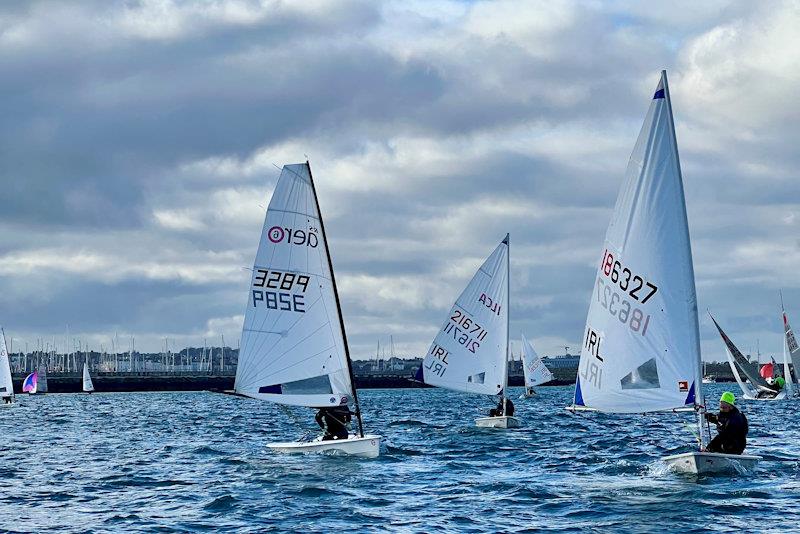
728,397
780,381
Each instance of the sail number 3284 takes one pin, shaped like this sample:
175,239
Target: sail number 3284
633,284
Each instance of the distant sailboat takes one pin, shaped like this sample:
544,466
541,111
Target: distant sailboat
88,386
794,351
294,347
534,369
756,387
470,353
30,384
641,348
7,397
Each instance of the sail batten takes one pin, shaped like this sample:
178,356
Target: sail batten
293,348
470,352
640,351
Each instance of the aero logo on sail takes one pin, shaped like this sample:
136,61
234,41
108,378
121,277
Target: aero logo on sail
309,238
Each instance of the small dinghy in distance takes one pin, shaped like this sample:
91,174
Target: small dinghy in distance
470,353
7,397
641,348
31,383
757,387
533,368
294,346
88,386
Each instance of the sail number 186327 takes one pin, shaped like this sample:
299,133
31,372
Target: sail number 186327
634,285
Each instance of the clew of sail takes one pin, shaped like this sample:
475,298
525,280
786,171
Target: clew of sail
641,350
534,369
741,362
469,352
6,384
292,346
87,378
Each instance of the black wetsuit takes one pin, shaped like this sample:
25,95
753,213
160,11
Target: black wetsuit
334,422
498,412
732,428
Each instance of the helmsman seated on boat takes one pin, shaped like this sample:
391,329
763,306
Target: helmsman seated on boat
499,412
732,427
334,421
8,399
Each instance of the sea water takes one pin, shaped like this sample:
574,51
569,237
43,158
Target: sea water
178,462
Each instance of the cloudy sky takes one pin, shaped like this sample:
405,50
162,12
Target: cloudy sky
140,140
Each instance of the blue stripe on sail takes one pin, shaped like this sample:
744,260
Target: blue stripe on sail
690,398
578,394
275,390
659,94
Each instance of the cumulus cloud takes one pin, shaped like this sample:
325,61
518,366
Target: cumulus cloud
140,142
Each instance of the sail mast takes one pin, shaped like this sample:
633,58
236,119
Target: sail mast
508,319
338,307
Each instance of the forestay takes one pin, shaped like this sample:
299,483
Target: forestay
533,367
292,346
641,349
469,352
87,379
6,384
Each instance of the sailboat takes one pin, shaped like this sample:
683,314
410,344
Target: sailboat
641,347
794,353
470,352
7,397
88,386
534,369
31,383
294,347
756,387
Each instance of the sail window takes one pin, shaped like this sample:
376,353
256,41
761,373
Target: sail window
643,377
316,385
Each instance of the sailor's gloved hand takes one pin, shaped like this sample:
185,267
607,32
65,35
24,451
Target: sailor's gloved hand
711,417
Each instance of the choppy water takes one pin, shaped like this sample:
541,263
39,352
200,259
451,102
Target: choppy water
196,461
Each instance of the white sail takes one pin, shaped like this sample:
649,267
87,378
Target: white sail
536,372
470,351
641,348
292,346
6,384
87,379
794,349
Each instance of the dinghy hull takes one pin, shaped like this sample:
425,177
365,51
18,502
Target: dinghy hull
366,447
779,396
497,422
708,463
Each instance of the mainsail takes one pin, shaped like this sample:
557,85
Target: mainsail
470,352
6,384
641,349
794,349
293,346
534,369
30,383
87,379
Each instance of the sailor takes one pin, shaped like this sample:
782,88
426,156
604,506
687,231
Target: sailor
333,421
7,399
499,412
732,427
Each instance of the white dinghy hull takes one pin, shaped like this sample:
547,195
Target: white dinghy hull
366,447
779,396
497,422
708,463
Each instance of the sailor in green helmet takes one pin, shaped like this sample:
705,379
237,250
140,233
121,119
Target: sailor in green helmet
732,427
